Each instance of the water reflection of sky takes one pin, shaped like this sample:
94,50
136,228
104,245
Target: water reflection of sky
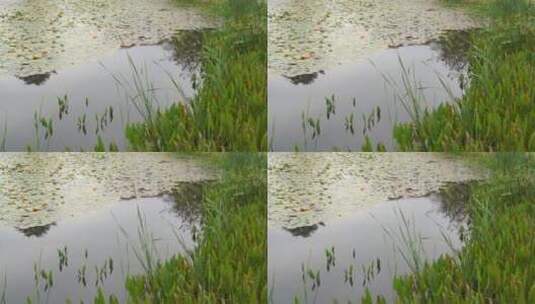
91,89
359,90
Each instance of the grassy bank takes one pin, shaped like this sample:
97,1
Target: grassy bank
498,109
496,114
229,112
229,263
497,264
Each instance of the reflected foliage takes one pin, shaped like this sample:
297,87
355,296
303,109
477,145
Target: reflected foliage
36,231
304,231
36,79
305,79
454,199
187,47
453,48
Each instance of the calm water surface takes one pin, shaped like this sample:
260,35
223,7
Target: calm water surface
359,89
92,89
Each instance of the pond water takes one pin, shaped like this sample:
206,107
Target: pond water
107,89
335,109
364,205
91,252
362,250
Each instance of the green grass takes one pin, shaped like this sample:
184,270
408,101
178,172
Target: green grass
229,263
496,113
497,263
498,109
229,112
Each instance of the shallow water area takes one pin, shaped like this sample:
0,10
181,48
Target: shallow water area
97,250
339,259
336,108
98,98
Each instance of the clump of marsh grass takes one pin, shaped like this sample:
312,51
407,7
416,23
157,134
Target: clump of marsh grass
506,8
229,110
410,96
496,264
497,109
408,243
219,270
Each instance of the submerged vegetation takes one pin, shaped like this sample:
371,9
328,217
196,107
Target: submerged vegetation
497,110
229,111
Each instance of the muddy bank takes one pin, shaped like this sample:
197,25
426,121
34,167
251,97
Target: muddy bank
308,188
308,36
37,189
41,36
